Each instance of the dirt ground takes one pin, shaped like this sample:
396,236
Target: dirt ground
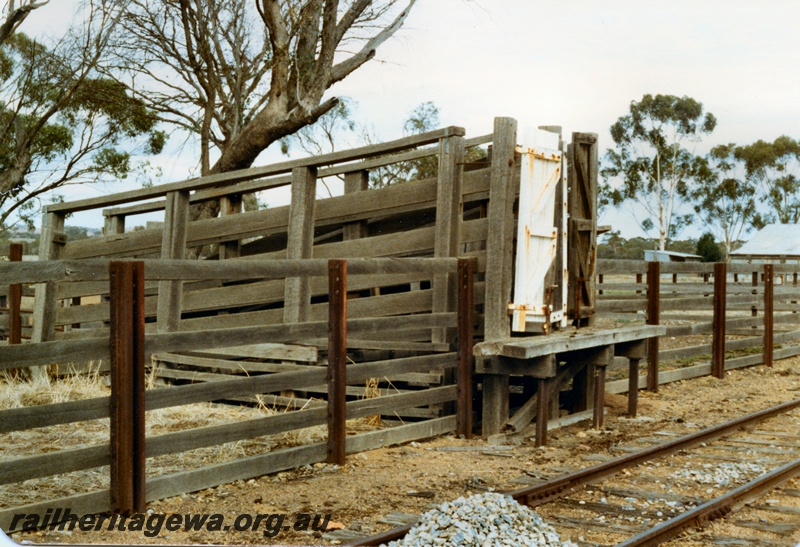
415,476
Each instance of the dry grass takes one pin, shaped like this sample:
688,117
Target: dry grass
18,393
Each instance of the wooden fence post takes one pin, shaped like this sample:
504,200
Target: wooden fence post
173,246
499,240
230,205
300,242
52,241
499,265
127,387
449,215
718,340
466,272
337,361
653,318
15,301
769,307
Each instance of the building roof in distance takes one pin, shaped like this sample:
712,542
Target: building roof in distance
772,240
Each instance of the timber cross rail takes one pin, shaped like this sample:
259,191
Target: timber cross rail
128,344
724,300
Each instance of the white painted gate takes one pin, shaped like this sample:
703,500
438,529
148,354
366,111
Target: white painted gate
537,270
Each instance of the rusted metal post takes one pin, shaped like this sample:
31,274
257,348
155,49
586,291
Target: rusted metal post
718,340
633,387
599,396
127,387
337,361
599,283
15,301
769,308
754,310
466,270
653,318
638,282
542,410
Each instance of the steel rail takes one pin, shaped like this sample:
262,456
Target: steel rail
562,486
716,508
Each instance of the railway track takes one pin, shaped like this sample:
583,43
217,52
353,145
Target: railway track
652,494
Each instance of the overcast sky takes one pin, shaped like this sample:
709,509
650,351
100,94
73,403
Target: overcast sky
577,64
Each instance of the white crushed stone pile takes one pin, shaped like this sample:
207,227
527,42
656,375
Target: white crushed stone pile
721,474
482,520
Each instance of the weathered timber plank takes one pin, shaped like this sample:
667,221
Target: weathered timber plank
52,353
258,172
499,239
561,342
89,409
53,463
180,395
297,295
80,504
207,477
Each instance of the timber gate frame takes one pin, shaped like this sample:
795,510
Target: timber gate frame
582,257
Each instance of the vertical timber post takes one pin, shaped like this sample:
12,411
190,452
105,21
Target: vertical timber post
653,318
633,387
52,241
127,387
356,181
542,410
449,215
582,245
466,273
337,361
230,205
769,309
499,265
173,246
718,340
300,243
15,300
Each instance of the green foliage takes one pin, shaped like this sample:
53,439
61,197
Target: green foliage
63,122
708,248
650,164
775,167
724,197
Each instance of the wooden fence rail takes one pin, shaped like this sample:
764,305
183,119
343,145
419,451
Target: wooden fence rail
130,345
739,299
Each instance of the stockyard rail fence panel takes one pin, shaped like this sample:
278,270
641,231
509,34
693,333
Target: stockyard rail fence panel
729,315
127,346
441,216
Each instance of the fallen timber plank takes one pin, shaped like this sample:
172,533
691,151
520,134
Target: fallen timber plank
65,461
90,409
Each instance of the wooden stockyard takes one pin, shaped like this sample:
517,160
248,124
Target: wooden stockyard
406,284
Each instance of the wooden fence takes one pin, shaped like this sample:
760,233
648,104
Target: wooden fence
127,344
738,305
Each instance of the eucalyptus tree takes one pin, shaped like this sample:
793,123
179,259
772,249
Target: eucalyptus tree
242,75
775,166
62,122
724,197
15,14
651,165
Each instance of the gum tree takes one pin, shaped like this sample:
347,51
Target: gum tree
242,75
62,122
651,166
724,197
775,167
